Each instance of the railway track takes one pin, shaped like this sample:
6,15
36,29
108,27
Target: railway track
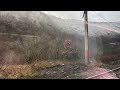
116,71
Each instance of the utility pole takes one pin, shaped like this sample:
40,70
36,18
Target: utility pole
86,38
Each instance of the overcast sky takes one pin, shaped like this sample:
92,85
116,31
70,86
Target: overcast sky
112,16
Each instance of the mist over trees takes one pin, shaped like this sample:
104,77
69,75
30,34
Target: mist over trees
24,39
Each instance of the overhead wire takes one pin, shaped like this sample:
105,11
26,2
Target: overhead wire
105,19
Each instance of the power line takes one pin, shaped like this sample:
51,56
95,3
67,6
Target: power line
104,19
32,36
109,29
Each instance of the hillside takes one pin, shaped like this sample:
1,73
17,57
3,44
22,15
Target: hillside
31,36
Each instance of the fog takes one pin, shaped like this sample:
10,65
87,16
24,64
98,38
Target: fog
95,16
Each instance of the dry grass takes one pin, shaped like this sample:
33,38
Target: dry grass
23,71
35,70
50,63
15,71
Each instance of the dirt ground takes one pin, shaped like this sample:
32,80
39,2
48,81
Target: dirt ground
56,70
76,71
